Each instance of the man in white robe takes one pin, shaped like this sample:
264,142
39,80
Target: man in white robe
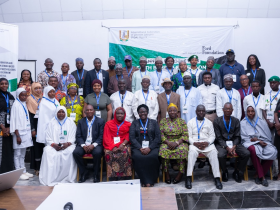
58,164
123,98
201,140
228,94
146,96
190,97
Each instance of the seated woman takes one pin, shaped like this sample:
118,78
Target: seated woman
58,164
144,136
256,137
116,146
73,102
174,137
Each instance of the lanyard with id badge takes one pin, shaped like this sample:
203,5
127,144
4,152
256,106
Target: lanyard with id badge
145,144
168,102
233,75
37,111
28,126
97,113
270,113
228,143
157,87
63,134
185,107
199,128
117,139
72,114
80,90
8,107
122,99
89,137
145,98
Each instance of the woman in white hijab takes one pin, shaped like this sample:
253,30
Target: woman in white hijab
21,130
46,112
58,164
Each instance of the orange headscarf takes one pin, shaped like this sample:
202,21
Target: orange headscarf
31,103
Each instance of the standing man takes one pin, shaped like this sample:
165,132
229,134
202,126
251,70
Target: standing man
178,78
228,142
232,67
256,99
158,76
166,98
111,65
195,72
147,97
271,99
228,94
123,98
138,75
43,77
209,92
113,82
65,79
201,139
96,73
80,75
190,97
216,77
53,81
129,70
244,91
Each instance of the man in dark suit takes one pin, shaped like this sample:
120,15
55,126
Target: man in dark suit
89,137
96,73
80,75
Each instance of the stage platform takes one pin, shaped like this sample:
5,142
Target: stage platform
30,197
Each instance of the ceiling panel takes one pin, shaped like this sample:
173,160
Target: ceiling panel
196,13
257,13
154,4
30,6
72,16
92,5
155,13
13,18
197,4
32,17
94,15
237,13
274,4
52,16
50,5
113,14
112,5
1,18
259,4
175,13
11,7
273,13
133,4
134,14
238,4
176,4
218,4
217,13
71,5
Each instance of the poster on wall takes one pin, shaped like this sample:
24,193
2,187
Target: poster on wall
178,42
9,54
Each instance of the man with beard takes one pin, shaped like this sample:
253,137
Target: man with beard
129,69
111,65
80,75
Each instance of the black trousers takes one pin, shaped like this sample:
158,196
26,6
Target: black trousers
241,151
97,153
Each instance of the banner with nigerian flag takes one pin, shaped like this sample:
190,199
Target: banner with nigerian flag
178,42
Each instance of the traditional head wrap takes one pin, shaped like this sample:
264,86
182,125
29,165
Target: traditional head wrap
186,73
146,77
172,105
19,91
47,90
228,76
31,103
166,80
119,66
57,110
96,81
72,85
143,58
79,59
112,58
211,58
159,58
274,78
143,106
193,56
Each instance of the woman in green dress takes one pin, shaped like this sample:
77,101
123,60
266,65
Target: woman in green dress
174,137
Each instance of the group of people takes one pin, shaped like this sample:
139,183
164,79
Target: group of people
138,120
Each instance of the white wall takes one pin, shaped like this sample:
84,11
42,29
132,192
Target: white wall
65,41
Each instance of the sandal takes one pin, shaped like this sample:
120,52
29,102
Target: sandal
176,181
168,181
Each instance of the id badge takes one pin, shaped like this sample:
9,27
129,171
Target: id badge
37,114
167,115
8,119
185,110
229,144
98,114
145,144
234,77
62,138
88,141
81,91
117,140
256,135
157,89
269,115
73,116
28,126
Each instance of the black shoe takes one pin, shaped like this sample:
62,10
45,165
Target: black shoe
201,164
83,177
95,179
236,176
218,183
188,182
264,183
258,181
225,176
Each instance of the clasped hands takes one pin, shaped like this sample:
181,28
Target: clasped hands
173,145
145,151
118,149
262,143
201,145
62,146
88,148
